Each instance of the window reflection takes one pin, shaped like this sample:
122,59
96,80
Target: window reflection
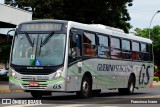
135,51
115,48
126,49
103,50
145,52
89,44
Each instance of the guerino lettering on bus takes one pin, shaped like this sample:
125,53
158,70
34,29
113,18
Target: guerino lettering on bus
119,68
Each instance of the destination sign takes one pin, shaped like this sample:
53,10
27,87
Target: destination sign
41,27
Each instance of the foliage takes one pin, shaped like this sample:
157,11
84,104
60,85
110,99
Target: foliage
155,36
4,52
156,79
4,78
108,12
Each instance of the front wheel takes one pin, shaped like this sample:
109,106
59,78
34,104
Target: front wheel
86,88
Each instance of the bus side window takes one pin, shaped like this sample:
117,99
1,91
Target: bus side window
135,51
75,47
150,52
126,49
115,48
89,44
144,52
103,46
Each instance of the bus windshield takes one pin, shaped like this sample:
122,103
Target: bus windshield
38,49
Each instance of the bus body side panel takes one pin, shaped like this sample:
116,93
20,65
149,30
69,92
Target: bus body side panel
144,74
109,74
103,72
76,74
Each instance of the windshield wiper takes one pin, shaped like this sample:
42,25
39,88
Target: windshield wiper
46,39
29,39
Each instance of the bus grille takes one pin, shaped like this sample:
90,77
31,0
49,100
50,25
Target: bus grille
35,78
36,72
41,86
32,80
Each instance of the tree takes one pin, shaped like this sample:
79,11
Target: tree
155,36
108,12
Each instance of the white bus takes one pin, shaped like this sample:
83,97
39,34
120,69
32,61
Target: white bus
65,56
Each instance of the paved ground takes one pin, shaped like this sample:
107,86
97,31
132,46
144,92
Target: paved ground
111,98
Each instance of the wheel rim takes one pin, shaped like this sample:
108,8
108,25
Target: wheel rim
85,87
131,87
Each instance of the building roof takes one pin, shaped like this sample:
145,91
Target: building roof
11,16
15,8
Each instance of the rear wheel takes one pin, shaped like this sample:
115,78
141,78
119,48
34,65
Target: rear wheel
86,88
130,88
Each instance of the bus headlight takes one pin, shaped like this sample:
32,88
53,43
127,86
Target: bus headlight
58,73
12,73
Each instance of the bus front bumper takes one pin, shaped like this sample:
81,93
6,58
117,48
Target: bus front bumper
51,85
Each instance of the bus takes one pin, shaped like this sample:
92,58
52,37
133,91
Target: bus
66,56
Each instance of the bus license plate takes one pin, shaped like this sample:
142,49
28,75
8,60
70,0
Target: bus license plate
33,84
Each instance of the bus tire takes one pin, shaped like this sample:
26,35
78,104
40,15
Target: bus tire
130,89
86,88
36,94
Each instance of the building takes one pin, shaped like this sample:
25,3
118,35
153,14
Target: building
10,17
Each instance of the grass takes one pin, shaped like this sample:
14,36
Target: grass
156,79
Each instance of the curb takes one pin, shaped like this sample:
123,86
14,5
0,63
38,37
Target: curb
7,90
156,85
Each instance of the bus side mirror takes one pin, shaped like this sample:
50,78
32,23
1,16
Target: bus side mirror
8,34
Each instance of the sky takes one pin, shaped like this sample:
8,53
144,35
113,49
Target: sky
141,13
1,1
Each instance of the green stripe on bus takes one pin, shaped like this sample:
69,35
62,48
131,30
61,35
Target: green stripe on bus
16,80
54,81
96,72
91,71
104,84
106,79
102,80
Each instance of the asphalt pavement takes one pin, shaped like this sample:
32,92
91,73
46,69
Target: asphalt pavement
109,98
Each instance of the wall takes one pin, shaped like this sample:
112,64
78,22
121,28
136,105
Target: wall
14,15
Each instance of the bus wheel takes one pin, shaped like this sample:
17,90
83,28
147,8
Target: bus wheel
86,88
130,88
36,94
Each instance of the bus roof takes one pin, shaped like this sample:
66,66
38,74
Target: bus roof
45,21
108,30
97,28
